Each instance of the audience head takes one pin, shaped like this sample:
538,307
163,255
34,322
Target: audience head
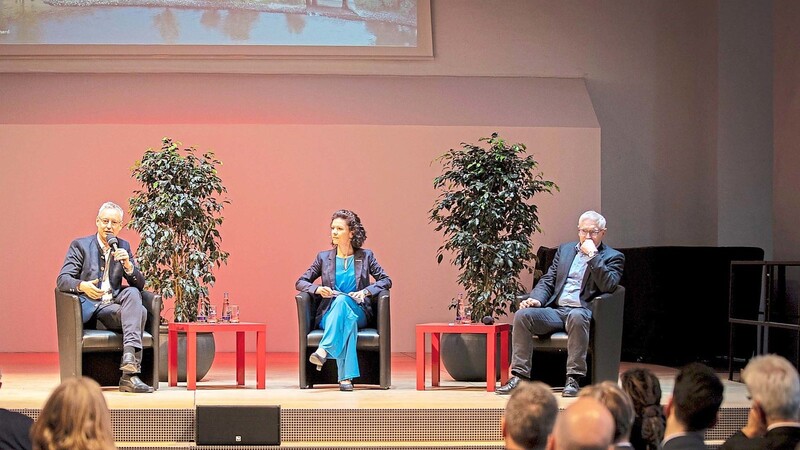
696,397
644,389
357,232
585,425
618,403
774,386
75,417
529,417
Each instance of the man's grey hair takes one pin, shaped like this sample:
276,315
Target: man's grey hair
773,382
111,205
593,216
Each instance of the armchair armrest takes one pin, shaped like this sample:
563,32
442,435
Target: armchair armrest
69,324
304,303
383,318
607,318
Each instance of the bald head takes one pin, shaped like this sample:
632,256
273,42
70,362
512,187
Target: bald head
585,425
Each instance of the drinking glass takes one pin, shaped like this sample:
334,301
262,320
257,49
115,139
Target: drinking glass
234,313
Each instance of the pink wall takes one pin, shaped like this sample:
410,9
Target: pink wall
284,182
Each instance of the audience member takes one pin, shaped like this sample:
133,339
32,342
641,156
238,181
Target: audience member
584,425
693,407
643,388
772,423
75,417
529,417
620,406
14,428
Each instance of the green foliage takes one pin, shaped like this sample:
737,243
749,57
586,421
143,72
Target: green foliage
177,212
484,212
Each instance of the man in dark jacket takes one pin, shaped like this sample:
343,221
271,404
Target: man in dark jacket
93,269
14,428
562,301
773,422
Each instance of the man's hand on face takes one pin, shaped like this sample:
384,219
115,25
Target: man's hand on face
588,247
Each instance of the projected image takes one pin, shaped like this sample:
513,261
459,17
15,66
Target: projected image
356,23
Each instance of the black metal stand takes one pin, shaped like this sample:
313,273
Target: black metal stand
772,297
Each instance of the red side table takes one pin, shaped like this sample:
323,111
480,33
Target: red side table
491,332
192,328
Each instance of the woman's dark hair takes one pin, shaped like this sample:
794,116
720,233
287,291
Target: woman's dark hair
354,224
645,390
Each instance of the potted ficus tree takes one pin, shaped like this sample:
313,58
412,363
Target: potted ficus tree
486,215
177,212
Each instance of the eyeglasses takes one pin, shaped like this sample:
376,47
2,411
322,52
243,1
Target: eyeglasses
592,233
108,222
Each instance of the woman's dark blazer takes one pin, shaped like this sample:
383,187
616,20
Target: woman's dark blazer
325,266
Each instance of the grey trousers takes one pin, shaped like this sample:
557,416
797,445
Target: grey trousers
125,314
543,321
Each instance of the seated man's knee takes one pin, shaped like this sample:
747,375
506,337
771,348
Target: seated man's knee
130,294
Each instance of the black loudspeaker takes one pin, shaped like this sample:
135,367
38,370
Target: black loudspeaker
238,425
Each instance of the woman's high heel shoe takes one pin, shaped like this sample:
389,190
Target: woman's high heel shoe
317,360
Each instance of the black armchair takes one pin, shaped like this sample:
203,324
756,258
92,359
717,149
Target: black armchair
96,353
374,344
605,342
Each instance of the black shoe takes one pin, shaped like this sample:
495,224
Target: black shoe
318,360
129,363
346,386
571,387
134,384
506,389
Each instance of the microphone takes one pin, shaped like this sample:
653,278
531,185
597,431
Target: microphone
488,320
112,240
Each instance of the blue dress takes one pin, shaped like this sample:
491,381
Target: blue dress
341,322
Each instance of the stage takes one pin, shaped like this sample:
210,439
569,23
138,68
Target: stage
454,415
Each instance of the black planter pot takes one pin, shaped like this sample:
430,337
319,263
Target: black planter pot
206,349
464,356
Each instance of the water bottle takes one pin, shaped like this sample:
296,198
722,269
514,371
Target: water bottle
466,316
460,308
201,311
226,309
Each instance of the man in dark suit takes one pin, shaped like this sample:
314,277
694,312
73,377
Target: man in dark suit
529,417
14,428
693,407
586,424
773,423
94,269
562,301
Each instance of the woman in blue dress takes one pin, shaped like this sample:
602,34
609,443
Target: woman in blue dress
345,289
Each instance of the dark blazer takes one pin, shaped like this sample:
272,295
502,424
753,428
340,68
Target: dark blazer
691,441
85,262
14,429
603,273
324,266
778,438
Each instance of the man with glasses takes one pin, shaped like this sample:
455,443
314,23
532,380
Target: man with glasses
562,301
94,269
774,418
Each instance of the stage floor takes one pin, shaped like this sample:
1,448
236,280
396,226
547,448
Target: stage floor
28,379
